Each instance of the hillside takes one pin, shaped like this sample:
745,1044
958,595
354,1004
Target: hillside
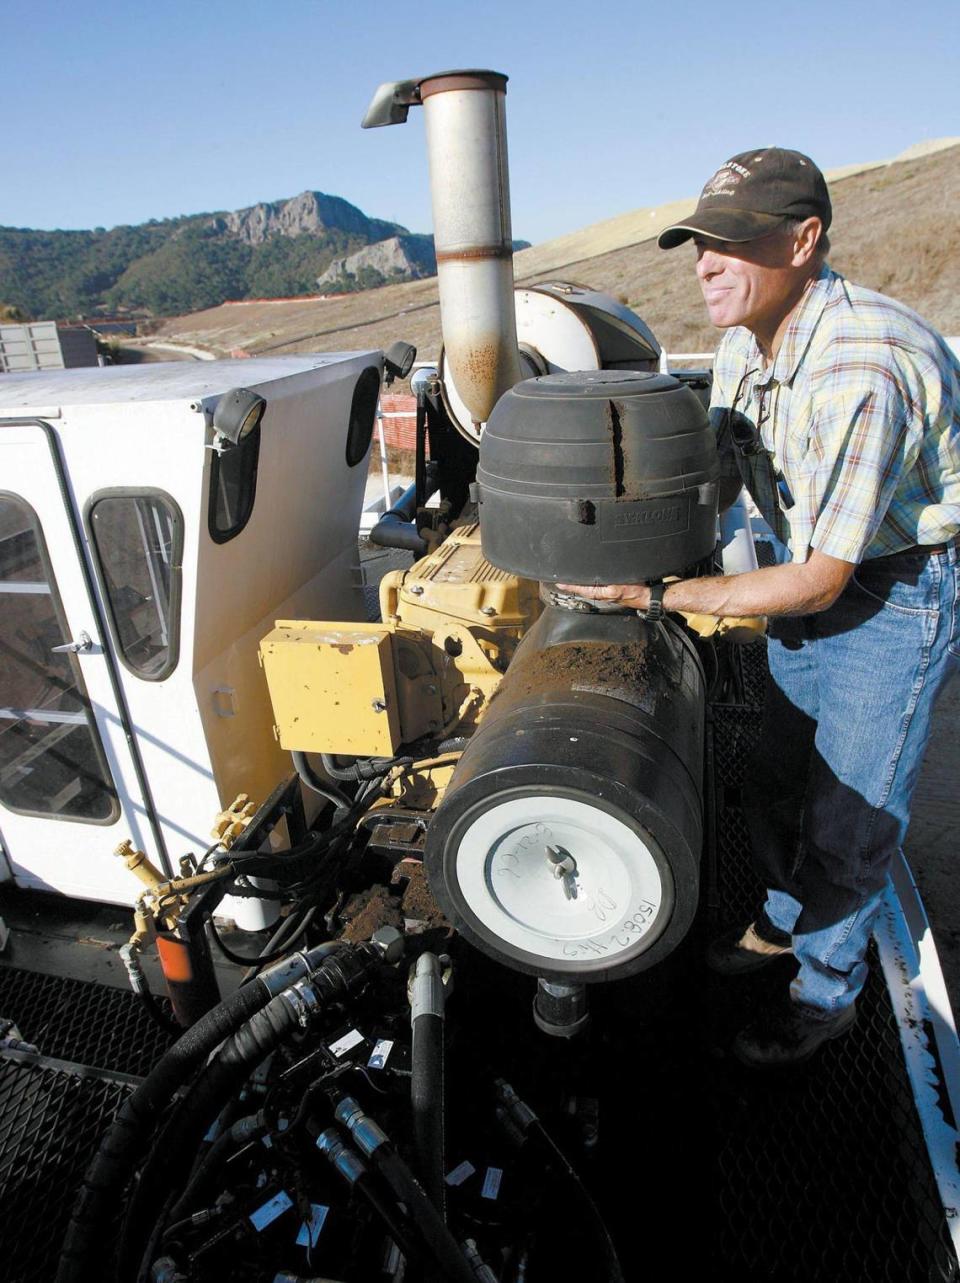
181,264
895,229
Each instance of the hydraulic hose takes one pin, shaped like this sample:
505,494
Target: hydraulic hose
355,1172
278,946
360,768
293,1006
427,1086
519,1117
130,957
316,784
374,1144
123,1146
252,1127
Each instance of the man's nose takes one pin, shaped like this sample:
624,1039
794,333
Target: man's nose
708,263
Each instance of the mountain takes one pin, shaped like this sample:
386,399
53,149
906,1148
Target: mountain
183,264
399,258
891,232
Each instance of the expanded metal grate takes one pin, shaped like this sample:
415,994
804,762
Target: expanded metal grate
737,892
822,1173
50,1124
83,1022
377,562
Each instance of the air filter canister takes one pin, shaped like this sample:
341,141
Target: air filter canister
568,841
607,476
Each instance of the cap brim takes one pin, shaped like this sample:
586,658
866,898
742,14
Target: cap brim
736,225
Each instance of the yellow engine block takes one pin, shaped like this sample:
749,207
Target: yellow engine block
450,625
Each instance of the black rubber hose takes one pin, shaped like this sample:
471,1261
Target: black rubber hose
278,946
423,1215
360,768
141,987
399,1229
81,1259
348,1163
314,782
427,1079
521,1119
128,1138
546,1144
336,977
241,1132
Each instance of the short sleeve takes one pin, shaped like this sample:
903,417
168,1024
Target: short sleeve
862,439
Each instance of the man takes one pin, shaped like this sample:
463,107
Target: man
839,409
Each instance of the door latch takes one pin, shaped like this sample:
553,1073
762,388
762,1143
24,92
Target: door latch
84,643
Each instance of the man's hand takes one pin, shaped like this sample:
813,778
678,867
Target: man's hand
798,588
634,596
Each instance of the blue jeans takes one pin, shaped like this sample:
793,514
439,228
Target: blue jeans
845,724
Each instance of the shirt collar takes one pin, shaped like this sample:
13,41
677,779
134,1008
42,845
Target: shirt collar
800,329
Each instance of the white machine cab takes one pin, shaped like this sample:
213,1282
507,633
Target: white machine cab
143,555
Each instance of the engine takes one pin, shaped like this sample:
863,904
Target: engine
504,778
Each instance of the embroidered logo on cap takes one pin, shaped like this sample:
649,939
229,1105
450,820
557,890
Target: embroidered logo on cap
725,180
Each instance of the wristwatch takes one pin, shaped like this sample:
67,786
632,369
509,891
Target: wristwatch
654,611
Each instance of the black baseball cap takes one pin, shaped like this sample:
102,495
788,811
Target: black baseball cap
752,194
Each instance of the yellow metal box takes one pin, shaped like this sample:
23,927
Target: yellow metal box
332,687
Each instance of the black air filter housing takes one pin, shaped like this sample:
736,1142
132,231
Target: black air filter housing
608,476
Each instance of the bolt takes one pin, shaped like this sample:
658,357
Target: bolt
431,690
488,610
390,943
416,590
379,705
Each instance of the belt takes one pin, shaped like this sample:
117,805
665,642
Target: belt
924,549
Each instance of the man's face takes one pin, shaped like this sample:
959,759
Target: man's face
747,283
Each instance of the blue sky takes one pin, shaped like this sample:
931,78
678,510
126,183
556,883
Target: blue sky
137,111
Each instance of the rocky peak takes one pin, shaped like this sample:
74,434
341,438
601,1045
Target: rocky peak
310,213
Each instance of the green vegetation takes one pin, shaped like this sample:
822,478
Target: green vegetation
180,264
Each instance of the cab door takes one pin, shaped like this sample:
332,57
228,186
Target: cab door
69,787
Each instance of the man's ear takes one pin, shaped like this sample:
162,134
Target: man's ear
806,236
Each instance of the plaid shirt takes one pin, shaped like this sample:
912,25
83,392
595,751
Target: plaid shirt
859,420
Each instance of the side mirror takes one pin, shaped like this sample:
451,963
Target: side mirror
398,361
237,414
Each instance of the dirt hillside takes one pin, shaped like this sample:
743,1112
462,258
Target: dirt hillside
895,229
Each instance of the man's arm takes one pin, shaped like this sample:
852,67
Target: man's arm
793,589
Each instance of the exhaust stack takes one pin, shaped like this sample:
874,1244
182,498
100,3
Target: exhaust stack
470,193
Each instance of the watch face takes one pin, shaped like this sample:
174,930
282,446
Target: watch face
561,880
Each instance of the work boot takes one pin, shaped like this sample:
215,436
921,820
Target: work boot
788,1033
738,952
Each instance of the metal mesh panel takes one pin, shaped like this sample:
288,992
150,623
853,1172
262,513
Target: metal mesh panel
822,1173
83,1022
738,892
375,563
50,1123
752,661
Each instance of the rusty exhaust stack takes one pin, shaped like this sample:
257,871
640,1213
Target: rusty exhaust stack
470,192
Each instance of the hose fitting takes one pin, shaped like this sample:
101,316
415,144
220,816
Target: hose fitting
368,1135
